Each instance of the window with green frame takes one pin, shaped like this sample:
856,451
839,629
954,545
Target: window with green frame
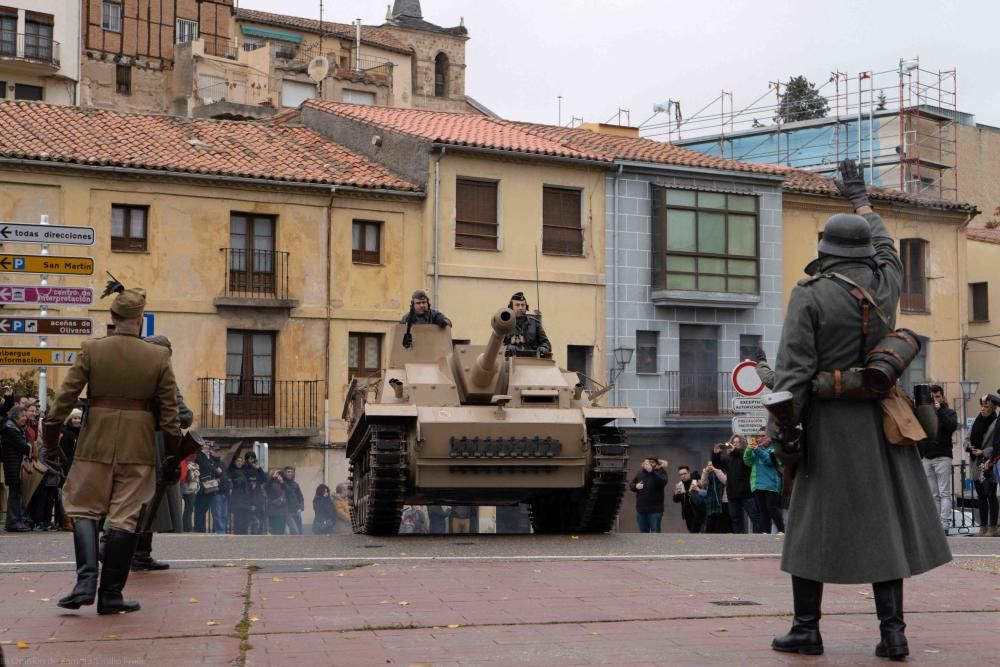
705,241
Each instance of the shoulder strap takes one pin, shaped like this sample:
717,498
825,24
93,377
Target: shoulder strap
862,295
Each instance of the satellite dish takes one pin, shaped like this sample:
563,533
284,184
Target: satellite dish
318,68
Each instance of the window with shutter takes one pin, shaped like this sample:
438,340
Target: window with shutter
914,295
475,214
128,228
364,354
562,221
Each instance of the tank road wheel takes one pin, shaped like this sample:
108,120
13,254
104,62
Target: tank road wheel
594,508
378,479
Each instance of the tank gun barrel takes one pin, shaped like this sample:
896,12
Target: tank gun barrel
502,324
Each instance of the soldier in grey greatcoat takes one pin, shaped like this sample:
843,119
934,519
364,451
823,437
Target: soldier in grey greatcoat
861,510
168,515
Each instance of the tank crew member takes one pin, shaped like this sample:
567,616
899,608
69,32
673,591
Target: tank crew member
847,461
421,312
528,333
113,466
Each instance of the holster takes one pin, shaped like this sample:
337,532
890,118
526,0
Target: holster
53,455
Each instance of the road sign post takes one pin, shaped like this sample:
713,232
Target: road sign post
47,264
38,356
16,232
42,294
46,326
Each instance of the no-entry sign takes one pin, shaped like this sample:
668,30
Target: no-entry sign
745,379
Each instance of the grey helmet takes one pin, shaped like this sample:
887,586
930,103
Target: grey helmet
847,235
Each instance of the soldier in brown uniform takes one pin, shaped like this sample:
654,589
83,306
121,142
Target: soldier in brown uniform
113,470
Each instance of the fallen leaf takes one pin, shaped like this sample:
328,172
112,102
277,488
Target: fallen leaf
454,625
402,553
44,599
254,619
350,638
723,630
680,542
229,565
31,590
574,537
404,603
112,636
340,574
277,580
931,650
212,623
22,645
382,574
739,558
193,600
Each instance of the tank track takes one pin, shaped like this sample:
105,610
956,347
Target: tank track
378,474
594,508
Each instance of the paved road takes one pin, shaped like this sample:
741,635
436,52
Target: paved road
475,600
53,551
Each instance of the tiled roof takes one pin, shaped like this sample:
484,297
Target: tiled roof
49,133
372,35
984,235
458,129
647,150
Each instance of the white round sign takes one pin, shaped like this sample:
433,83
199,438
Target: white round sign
745,379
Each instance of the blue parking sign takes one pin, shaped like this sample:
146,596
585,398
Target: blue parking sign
17,326
148,324
19,263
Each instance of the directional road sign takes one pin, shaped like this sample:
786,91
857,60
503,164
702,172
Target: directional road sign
46,326
38,356
16,232
748,425
74,266
49,296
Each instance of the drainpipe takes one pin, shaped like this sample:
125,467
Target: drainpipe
614,275
326,348
437,224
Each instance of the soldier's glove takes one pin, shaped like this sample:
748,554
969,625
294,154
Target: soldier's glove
759,356
53,455
443,325
407,340
172,445
852,184
171,470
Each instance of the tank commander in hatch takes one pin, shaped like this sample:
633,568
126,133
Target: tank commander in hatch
528,334
421,313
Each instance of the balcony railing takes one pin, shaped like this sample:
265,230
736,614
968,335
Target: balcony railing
256,274
699,394
29,47
259,402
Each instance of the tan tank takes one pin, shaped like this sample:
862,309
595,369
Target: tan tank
465,425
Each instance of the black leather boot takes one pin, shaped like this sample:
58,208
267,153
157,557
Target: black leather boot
804,636
143,558
85,546
889,608
118,552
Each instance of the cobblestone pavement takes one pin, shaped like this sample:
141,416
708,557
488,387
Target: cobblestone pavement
398,610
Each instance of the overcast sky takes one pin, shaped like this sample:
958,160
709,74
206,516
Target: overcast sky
602,55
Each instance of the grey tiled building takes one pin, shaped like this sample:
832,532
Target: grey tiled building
694,275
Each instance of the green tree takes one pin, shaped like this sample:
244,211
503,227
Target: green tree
801,101
25,383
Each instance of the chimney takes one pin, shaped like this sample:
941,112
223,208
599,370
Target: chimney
613,130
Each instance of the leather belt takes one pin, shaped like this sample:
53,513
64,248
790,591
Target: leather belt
112,403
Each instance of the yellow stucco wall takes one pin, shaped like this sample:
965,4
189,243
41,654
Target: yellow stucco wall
946,320
982,360
474,283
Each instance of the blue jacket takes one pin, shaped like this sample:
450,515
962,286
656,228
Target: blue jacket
764,475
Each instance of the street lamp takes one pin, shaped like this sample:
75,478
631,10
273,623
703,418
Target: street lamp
969,389
623,357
